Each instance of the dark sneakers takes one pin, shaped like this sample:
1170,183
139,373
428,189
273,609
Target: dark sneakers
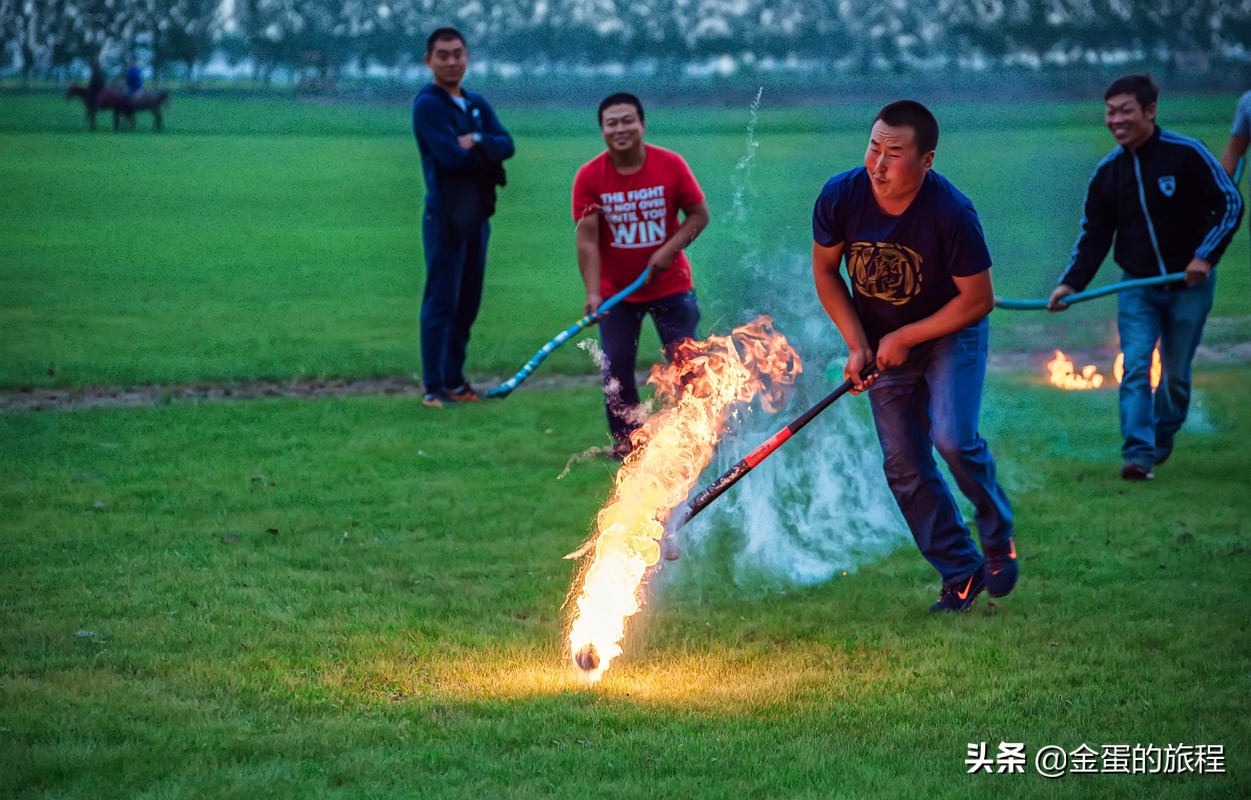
1135,472
958,596
461,394
1002,571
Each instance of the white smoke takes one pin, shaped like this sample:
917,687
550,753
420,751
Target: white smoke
633,414
819,505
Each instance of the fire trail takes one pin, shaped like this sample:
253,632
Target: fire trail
698,391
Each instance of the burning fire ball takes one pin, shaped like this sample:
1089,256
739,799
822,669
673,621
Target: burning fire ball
587,658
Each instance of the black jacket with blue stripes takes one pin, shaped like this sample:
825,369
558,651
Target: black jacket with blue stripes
1166,201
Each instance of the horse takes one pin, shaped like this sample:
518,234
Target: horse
82,93
122,105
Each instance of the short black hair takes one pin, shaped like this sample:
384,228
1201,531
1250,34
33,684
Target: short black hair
620,98
442,35
1139,85
911,114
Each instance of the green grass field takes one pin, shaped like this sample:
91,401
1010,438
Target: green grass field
399,634
272,240
361,598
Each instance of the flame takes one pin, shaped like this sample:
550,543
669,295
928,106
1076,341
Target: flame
1118,368
699,390
1063,374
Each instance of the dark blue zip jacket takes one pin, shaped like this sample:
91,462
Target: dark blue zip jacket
1167,201
437,122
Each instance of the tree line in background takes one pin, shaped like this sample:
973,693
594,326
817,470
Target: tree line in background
178,38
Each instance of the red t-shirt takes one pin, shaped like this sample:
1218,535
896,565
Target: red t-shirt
637,214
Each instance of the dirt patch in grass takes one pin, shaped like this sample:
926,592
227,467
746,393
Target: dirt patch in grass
47,399
86,397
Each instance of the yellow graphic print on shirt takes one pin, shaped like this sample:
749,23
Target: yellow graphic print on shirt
885,271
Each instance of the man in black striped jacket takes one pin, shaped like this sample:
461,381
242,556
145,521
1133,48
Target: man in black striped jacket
1172,209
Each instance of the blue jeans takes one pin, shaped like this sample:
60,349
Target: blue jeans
1176,319
675,316
933,402
455,269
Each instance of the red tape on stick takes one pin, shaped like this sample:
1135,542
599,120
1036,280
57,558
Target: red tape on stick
767,446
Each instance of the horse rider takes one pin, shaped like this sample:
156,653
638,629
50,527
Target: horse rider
134,79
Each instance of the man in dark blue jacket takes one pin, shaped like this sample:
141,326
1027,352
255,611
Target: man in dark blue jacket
1172,209
463,146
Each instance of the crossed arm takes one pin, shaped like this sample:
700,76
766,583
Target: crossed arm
433,123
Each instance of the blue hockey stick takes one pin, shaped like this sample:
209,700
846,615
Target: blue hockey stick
505,388
1112,288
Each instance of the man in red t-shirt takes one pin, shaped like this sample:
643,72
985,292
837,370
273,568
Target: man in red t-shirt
626,202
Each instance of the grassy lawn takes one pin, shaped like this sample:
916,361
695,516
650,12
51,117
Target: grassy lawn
359,598
346,598
273,239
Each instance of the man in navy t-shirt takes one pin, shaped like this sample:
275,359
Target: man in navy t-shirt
920,293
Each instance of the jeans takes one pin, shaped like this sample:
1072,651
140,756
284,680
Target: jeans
675,317
455,269
933,402
1176,319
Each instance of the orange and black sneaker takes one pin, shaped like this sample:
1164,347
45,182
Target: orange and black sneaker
436,400
464,394
958,596
1001,570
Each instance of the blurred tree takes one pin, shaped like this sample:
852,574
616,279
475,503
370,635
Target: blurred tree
319,39
183,33
275,31
1011,31
398,39
234,48
10,30
52,37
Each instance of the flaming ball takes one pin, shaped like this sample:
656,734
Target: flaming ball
587,658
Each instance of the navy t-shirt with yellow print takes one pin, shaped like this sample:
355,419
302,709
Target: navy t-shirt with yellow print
900,267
